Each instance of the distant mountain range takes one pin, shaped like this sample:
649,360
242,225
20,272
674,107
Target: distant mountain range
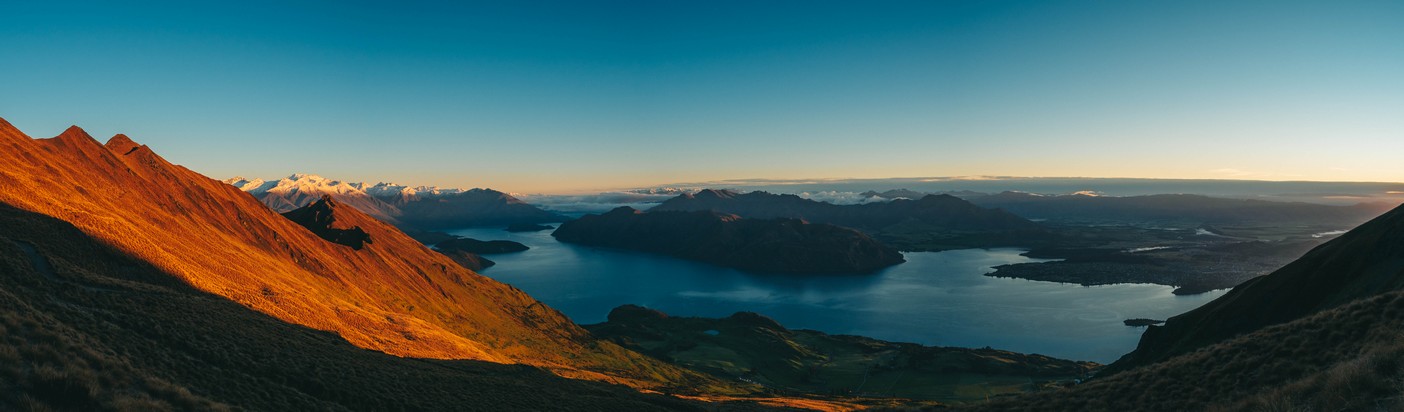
417,207
932,222
1190,209
324,267
1337,193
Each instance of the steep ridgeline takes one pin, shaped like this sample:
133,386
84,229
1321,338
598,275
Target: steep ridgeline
1191,209
1364,262
85,327
933,222
758,245
419,207
392,295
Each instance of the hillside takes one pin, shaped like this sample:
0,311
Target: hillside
1345,359
86,327
1322,333
1364,262
933,222
393,295
757,245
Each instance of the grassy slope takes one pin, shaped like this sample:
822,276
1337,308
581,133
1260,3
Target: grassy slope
1364,262
1348,358
394,295
99,330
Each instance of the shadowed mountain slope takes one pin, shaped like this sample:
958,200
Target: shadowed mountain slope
393,295
85,327
1364,262
1350,358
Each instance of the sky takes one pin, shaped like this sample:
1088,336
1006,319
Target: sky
556,97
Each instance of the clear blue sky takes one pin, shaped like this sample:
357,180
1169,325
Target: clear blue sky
573,95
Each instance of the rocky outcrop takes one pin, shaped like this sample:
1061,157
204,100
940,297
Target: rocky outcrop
320,218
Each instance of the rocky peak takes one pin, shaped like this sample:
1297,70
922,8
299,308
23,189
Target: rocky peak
320,218
76,137
121,144
714,194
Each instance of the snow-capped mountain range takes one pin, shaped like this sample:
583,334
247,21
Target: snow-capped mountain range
402,205
313,183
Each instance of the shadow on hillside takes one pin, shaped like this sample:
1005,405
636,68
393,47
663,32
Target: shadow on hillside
106,331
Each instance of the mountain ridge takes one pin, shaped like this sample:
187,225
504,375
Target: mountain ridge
933,222
84,326
394,295
410,207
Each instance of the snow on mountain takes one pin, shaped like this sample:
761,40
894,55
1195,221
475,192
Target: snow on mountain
413,206
243,183
301,189
310,183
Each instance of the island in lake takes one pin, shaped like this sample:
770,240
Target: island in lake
755,245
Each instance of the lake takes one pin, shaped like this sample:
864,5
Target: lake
935,298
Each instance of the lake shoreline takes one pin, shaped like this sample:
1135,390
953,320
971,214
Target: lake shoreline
935,299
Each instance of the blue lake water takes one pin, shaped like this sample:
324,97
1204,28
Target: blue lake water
935,298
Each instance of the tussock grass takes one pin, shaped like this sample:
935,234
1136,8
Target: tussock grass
112,333
1346,359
